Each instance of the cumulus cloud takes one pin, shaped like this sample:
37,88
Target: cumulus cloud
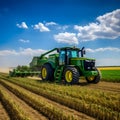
114,49
50,23
24,41
27,51
7,52
22,25
40,26
69,38
106,27
13,58
30,51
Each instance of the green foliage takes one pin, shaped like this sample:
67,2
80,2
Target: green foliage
111,75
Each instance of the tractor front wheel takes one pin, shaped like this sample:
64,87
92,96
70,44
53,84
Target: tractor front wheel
71,75
47,72
94,79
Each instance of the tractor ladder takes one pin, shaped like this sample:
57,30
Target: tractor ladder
58,73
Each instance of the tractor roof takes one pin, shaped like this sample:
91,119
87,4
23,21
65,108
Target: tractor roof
69,48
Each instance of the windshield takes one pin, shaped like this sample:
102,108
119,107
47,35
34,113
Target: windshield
72,53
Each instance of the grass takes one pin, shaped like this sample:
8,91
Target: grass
110,75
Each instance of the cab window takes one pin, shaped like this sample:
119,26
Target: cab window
62,58
74,54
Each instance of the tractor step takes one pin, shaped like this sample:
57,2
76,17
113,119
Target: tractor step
58,73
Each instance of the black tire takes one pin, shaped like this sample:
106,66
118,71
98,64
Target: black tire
49,75
95,79
71,75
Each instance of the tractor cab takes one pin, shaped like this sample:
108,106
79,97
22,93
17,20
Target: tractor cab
65,54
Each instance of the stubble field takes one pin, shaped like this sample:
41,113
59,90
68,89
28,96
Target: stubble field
28,99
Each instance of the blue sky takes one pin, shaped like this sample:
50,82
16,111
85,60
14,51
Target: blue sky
30,27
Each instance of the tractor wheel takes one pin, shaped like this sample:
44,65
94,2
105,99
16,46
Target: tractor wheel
94,79
71,75
47,72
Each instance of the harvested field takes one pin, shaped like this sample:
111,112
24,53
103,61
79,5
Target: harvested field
3,113
55,101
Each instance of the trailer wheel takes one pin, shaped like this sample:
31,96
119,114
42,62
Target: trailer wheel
71,75
94,79
47,72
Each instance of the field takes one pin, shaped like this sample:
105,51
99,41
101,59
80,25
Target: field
110,74
32,99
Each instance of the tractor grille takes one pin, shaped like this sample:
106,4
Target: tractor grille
89,64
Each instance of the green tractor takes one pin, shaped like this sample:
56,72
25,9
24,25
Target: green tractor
67,65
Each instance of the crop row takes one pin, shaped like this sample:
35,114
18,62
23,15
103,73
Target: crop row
96,110
15,111
47,109
73,91
97,97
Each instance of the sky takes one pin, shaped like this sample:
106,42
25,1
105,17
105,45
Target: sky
31,27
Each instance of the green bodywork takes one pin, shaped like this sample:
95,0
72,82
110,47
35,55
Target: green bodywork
76,61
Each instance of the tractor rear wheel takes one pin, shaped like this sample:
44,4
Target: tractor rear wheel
94,79
47,72
71,75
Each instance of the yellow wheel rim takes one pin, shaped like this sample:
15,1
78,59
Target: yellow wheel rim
68,76
44,73
91,78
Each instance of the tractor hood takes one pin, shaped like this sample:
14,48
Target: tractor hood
85,63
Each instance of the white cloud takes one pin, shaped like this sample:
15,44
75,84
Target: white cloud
24,41
50,23
7,52
66,37
114,49
106,27
27,51
22,25
41,27
63,28
13,58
